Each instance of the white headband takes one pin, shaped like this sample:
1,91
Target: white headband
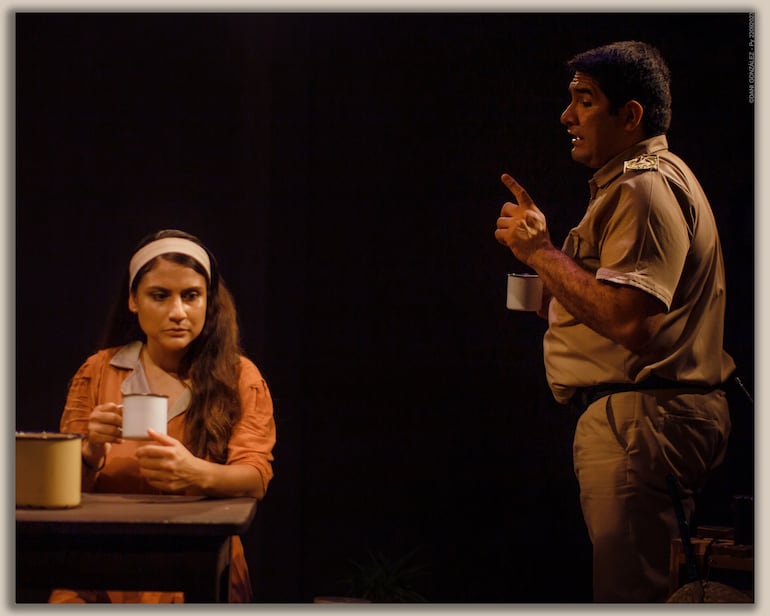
163,246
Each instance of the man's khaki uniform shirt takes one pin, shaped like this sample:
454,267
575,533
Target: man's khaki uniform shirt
649,226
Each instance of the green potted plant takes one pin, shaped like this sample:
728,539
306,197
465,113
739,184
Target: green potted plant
381,579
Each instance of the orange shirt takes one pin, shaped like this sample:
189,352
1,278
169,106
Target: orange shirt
105,377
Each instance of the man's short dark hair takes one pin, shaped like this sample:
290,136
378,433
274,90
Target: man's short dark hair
631,70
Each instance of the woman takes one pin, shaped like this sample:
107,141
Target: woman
174,332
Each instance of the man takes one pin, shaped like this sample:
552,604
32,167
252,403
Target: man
635,303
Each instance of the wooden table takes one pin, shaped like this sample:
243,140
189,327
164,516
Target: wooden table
130,542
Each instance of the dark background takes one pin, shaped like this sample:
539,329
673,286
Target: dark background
344,168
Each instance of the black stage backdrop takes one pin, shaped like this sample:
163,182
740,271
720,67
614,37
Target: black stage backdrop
344,168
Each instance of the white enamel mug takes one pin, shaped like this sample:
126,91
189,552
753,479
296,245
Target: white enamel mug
142,411
525,292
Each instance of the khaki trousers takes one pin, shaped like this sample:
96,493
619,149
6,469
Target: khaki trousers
625,445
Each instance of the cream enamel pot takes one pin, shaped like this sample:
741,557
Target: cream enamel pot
48,469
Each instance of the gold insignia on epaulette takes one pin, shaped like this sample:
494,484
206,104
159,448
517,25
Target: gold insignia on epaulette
645,162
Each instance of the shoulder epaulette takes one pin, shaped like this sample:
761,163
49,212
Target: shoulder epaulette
644,162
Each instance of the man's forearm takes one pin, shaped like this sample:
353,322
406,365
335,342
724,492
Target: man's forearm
625,315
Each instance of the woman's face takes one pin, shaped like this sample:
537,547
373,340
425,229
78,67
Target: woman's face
170,302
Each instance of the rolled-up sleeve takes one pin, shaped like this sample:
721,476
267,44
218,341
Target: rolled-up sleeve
646,242
254,436
82,396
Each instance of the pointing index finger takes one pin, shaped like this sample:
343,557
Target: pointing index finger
521,195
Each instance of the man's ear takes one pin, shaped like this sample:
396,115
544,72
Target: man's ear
634,112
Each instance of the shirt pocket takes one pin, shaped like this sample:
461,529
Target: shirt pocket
580,247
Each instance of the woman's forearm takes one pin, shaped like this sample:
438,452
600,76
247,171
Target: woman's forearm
229,480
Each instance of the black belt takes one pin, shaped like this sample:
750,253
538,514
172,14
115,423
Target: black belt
585,396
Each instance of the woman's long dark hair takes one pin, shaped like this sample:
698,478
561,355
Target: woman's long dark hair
212,361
